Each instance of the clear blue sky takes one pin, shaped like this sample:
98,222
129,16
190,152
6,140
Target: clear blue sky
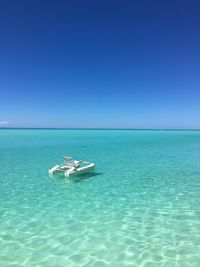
124,64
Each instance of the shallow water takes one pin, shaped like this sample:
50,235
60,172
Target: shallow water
141,207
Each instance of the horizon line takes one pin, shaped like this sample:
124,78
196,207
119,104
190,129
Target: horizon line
100,128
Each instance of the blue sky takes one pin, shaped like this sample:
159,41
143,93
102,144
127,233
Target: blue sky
110,64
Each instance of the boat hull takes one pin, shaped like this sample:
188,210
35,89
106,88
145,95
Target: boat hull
79,171
72,167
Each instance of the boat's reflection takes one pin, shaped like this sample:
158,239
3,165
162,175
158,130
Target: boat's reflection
76,179
84,176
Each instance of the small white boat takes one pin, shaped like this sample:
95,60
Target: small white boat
72,167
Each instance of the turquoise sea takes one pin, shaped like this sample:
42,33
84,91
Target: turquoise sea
141,207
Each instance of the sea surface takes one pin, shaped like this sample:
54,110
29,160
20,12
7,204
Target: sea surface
141,206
